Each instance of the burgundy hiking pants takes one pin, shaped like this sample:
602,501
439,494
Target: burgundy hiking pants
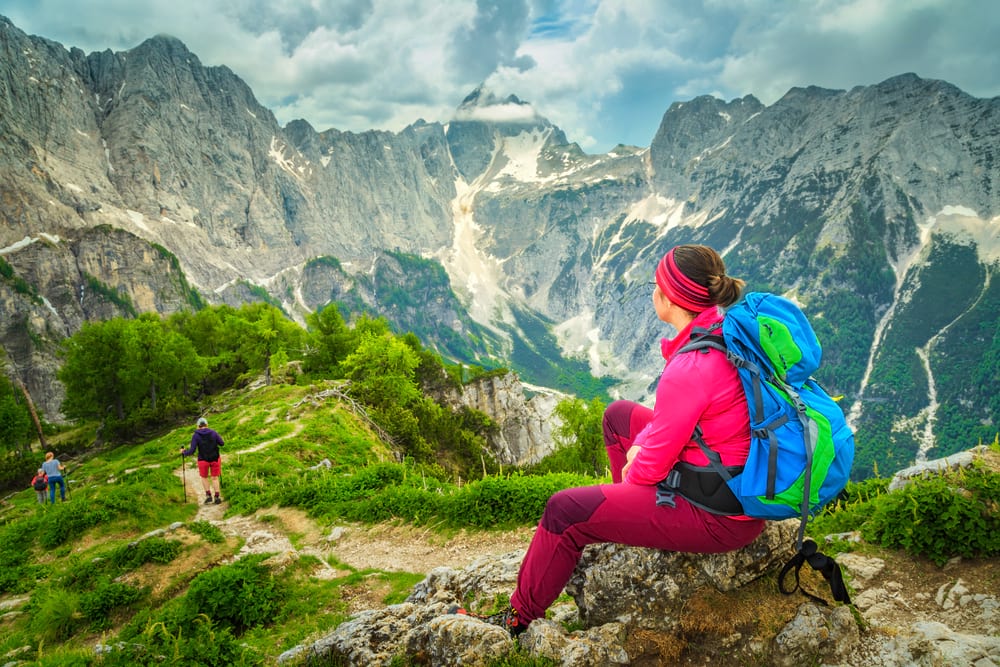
622,513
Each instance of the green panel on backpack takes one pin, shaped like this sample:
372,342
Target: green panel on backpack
823,455
778,344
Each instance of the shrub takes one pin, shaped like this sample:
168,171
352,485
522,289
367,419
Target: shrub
66,520
149,550
851,509
208,531
198,642
22,578
241,595
953,514
99,604
55,614
82,574
394,502
498,502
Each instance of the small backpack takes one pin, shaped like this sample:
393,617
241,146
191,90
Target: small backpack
40,484
801,449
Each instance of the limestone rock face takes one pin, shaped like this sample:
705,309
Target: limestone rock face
876,208
525,418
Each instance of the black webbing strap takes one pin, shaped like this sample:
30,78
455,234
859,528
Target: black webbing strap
827,566
702,486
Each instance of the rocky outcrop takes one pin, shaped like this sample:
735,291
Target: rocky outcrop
929,468
524,417
632,605
649,591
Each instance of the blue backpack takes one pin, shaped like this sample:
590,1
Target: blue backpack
801,448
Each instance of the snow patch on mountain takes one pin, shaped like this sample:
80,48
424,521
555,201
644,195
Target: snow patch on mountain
966,226
28,240
138,219
522,152
276,152
474,273
657,210
580,337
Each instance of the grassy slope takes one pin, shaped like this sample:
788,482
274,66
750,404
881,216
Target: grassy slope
116,496
273,436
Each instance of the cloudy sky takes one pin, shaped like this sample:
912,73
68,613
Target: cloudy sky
604,71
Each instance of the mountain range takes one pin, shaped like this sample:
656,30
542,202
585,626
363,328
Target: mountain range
142,180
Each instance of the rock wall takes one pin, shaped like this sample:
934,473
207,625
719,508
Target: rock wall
525,417
629,602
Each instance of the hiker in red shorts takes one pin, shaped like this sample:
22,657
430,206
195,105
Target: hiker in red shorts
207,442
643,445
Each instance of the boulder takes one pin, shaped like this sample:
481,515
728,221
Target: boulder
617,589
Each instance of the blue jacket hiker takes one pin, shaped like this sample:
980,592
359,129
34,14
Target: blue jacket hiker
207,442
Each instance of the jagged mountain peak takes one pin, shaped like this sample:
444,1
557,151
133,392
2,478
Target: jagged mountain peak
163,50
484,97
165,40
484,105
476,131
831,196
912,81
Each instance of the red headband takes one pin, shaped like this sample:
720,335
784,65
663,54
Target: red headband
680,289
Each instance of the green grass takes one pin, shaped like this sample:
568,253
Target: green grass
87,582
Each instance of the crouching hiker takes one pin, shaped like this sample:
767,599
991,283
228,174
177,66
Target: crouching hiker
207,443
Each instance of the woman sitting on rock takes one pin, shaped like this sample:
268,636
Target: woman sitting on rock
696,388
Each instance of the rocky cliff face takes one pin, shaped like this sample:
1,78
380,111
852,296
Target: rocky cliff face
875,208
88,275
524,423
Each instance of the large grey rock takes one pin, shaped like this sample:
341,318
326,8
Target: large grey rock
647,588
816,633
479,583
647,599
929,643
934,466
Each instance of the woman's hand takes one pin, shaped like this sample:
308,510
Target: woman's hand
630,455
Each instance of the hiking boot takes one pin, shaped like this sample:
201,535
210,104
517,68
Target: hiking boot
506,619
208,500
218,500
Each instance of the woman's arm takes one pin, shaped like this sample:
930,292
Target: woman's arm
681,398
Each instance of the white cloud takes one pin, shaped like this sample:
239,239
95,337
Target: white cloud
499,113
605,71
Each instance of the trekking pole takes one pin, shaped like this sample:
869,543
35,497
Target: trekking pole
184,498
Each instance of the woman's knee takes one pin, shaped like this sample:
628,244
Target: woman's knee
571,506
617,422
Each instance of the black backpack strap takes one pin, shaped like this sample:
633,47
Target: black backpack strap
703,339
702,486
827,566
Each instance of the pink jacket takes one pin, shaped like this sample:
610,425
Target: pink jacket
694,388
